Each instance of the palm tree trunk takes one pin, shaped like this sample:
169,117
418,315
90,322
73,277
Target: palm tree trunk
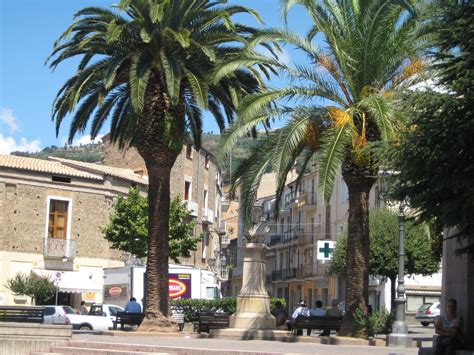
157,306
357,281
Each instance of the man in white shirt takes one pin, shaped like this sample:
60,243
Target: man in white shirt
301,310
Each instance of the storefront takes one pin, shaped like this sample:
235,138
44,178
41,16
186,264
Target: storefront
72,287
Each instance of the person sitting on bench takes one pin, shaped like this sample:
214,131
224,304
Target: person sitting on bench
300,311
334,311
133,306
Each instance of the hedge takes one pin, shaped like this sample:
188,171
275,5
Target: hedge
191,307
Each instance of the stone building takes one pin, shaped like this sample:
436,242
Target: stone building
197,179
51,214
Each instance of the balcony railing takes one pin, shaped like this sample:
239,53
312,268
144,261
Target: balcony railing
283,238
59,248
277,275
207,215
225,239
290,273
192,208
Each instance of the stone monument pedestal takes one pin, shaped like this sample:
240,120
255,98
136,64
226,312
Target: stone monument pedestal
253,302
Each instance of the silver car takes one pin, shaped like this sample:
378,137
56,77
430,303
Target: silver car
57,314
427,313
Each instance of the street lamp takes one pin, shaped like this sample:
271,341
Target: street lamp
399,336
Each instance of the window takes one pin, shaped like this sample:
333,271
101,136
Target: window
58,219
49,311
206,202
212,292
189,151
187,190
61,179
204,241
207,161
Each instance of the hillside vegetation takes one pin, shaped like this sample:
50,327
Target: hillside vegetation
92,153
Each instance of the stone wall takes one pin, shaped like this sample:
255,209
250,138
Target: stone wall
23,338
458,283
23,210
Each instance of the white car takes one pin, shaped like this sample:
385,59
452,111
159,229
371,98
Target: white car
100,317
57,314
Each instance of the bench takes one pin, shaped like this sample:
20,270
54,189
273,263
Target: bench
211,320
123,318
22,314
316,322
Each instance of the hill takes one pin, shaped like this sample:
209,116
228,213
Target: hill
92,153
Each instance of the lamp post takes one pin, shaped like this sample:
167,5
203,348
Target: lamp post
399,336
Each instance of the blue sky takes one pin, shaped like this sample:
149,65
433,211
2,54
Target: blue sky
28,29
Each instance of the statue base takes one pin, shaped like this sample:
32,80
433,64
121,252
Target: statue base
253,302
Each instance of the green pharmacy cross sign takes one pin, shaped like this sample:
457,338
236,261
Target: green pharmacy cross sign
325,249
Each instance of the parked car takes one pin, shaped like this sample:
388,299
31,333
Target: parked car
427,313
57,314
100,317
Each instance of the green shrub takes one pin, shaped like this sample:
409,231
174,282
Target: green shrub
379,322
191,307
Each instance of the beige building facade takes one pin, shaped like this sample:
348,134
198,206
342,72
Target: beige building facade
196,178
51,214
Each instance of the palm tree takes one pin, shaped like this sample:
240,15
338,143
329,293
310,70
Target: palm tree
337,107
148,67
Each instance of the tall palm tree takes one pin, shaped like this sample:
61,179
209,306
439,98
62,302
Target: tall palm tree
337,107
147,66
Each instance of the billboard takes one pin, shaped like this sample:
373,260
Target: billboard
180,286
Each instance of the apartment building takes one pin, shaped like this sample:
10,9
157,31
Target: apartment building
307,226
51,214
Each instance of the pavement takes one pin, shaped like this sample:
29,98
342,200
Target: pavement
169,343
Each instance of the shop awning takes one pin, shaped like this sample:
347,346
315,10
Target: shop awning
74,281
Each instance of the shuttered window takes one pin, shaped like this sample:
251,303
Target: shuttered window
58,219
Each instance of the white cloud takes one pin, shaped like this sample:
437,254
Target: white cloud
9,144
87,139
6,116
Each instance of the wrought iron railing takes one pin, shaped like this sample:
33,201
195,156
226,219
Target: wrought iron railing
59,248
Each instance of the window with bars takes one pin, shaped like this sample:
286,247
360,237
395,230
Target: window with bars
58,219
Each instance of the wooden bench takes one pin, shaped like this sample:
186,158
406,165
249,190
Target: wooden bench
123,318
22,314
211,320
317,322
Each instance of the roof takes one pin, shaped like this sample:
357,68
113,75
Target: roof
71,168
126,174
44,166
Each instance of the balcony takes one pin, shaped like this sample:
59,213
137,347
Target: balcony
59,248
308,200
225,240
192,208
289,199
222,228
310,270
274,240
207,216
306,239
291,273
277,275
